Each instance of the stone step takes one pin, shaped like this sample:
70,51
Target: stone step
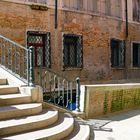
80,132
57,131
14,111
7,89
25,124
10,99
3,82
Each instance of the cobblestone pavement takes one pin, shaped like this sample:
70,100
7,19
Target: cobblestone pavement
122,126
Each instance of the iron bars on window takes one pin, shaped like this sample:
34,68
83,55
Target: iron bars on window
72,51
117,53
41,43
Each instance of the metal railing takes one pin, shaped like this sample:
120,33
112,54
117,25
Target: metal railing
58,89
16,59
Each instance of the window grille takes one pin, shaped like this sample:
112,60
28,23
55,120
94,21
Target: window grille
41,43
117,53
72,51
136,54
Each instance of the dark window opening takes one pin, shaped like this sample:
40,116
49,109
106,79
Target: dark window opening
136,55
72,51
117,53
41,43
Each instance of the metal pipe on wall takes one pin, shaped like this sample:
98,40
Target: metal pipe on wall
56,13
126,17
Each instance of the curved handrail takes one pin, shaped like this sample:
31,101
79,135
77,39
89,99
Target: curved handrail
14,43
16,59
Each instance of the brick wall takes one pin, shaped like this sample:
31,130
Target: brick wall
17,19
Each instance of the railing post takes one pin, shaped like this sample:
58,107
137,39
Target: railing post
31,68
77,94
27,57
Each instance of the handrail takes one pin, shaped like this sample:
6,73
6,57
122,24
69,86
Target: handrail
16,59
13,42
58,75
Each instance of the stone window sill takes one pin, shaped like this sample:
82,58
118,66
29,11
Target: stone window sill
70,69
117,68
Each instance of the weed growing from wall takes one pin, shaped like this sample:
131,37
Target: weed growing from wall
106,103
125,99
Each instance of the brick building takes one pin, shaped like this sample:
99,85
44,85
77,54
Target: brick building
97,40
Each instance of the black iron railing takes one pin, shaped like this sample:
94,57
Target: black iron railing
17,59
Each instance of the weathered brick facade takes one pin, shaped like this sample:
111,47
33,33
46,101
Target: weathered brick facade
16,19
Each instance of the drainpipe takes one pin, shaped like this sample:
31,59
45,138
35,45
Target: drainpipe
56,13
126,37
126,18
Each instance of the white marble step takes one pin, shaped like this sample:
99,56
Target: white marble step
10,99
58,131
7,89
25,124
80,132
14,111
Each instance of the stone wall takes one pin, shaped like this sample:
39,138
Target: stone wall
16,19
106,99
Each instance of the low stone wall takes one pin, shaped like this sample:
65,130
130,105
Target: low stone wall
104,99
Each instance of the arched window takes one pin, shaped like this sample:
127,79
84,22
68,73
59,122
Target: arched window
111,7
73,4
92,5
136,10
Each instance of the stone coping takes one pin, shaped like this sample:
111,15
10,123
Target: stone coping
111,85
